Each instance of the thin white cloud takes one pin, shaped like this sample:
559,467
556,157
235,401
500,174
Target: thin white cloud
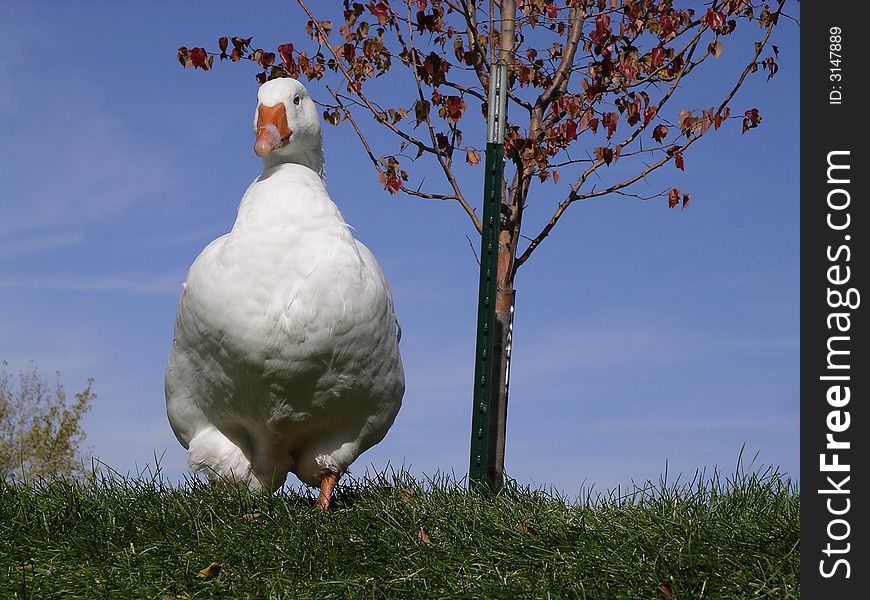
595,346
127,283
33,242
75,157
101,176
695,425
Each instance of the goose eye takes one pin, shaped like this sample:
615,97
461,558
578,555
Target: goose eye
296,100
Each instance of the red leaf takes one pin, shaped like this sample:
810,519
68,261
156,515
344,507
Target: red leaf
657,56
605,154
199,58
241,44
687,119
678,161
602,29
686,198
673,198
570,131
223,43
349,52
286,52
452,107
751,119
442,141
433,69
593,124
669,25
381,11
552,11
609,120
715,19
659,133
267,59
391,183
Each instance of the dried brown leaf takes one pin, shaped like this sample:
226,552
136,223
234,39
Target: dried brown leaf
423,537
405,494
210,572
253,515
668,590
527,529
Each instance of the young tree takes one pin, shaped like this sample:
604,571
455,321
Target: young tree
40,434
593,84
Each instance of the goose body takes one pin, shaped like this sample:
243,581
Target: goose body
285,355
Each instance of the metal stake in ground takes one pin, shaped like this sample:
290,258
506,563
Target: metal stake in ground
489,415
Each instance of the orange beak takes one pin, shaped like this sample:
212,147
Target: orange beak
272,129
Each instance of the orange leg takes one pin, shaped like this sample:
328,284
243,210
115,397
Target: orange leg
327,483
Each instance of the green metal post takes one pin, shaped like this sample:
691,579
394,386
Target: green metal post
489,414
481,421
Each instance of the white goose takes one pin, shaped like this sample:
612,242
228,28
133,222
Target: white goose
285,355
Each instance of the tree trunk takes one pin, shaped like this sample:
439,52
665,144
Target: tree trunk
509,232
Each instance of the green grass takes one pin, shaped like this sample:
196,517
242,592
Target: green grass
112,537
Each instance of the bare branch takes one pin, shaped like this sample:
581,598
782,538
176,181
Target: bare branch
374,160
444,161
473,249
758,48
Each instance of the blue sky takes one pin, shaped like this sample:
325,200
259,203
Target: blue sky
643,335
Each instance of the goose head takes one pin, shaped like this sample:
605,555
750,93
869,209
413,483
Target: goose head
287,125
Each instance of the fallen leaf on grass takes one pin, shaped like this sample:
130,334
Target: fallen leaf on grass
252,516
423,537
210,572
527,529
668,590
405,494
